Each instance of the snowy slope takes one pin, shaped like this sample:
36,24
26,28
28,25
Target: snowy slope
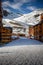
26,19
30,18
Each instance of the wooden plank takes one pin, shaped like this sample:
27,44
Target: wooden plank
31,32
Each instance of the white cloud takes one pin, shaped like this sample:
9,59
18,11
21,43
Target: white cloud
16,4
31,8
22,1
5,4
7,9
13,5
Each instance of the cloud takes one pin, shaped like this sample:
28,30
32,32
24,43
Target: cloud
31,8
12,5
16,4
7,9
5,4
21,1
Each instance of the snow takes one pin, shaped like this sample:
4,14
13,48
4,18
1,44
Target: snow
29,18
23,41
22,51
25,20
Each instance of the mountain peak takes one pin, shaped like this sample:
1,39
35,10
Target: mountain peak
10,15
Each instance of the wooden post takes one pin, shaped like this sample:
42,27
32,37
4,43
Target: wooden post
0,14
0,19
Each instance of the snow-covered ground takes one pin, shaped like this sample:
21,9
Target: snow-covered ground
22,51
24,41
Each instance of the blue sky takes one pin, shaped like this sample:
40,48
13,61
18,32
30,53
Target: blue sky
22,6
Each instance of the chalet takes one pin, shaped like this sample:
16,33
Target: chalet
5,32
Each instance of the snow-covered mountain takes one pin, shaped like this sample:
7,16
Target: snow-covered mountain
32,18
10,15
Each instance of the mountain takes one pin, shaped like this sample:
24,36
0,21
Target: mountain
10,15
32,18
13,23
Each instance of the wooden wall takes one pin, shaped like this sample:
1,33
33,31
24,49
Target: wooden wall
37,31
6,34
31,32
42,32
41,17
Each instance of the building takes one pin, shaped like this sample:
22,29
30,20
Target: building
5,32
36,31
